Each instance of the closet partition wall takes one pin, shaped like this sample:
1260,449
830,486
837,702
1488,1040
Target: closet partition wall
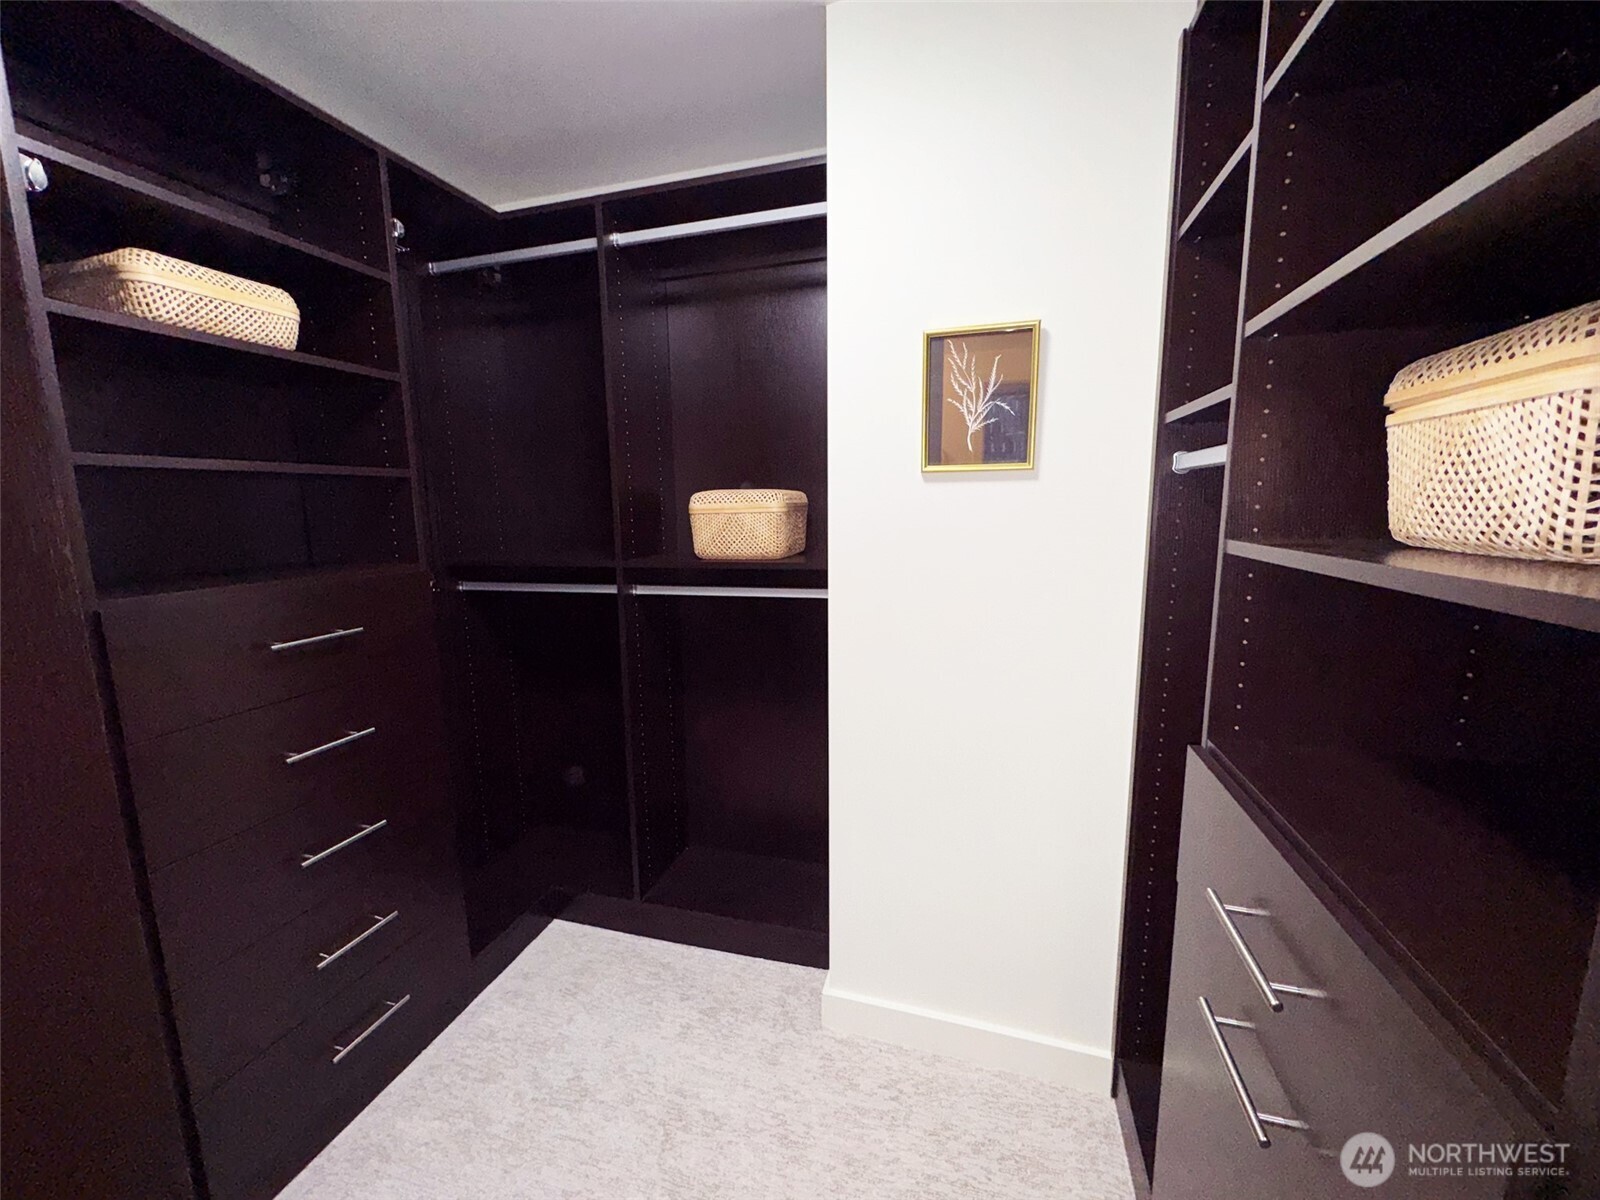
640,735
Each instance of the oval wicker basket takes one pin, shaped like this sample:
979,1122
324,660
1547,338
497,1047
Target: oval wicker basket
161,288
1493,445
748,524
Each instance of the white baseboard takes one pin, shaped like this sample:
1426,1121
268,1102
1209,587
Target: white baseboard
980,1042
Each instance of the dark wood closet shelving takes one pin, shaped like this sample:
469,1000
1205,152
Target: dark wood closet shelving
1222,204
1404,725
1200,408
1290,28
157,462
138,204
1532,202
138,325
357,573
571,406
1553,592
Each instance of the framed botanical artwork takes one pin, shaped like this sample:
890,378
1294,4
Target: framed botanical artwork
980,398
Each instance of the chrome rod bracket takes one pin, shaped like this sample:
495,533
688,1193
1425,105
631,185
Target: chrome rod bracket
34,177
1184,461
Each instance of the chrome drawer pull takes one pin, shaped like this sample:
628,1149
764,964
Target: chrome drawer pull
394,1007
1269,990
1258,1119
290,759
300,643
308,859
324,959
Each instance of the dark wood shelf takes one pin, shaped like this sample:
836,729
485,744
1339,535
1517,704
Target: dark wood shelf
354,571
161,462
544,569
94,316
1551,592
1539,918
1221,206
801,570
1194,408
796,562
749,887
82,169
1296,47
1471,247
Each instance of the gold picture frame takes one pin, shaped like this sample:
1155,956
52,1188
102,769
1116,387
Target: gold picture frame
971,389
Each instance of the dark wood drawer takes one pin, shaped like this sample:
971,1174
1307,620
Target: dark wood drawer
1353,1058
228,1016
198,786
266,1121
211,905
1205,1149
182,658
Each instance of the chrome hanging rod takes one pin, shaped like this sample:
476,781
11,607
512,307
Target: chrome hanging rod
478,585
646,589
501,258
755,593
772,216
1185,461
633,237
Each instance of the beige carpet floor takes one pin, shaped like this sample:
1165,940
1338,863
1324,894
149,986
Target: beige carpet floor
601,1066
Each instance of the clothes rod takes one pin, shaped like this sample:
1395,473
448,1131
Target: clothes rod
758,593
632,237
477,585
501,258
1185,461
772,216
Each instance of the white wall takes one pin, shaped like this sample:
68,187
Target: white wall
989,162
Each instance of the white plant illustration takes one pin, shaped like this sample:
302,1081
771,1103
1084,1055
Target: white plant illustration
976,393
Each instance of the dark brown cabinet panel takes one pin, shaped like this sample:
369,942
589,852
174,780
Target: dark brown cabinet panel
1352,1058
319,1075
229,1014
376,736
181,658
90,1103
225,897
1402,731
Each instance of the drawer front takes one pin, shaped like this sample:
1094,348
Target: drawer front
1205,1146
212,904
181,658
259,1127
1352,1058
228,1016
198,786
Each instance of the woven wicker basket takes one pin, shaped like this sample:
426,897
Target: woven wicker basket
1493,445
158,287
748,523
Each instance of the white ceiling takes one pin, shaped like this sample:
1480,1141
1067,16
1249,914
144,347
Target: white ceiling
523,101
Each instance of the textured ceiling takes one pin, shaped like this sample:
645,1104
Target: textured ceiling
522,101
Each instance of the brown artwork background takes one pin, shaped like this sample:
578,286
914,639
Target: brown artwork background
1003,435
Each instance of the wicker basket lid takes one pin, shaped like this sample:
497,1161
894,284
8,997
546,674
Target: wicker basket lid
747,500
1554,354
132,263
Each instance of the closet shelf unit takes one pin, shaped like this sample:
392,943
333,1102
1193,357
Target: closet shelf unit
641,735
198,457
1400,720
